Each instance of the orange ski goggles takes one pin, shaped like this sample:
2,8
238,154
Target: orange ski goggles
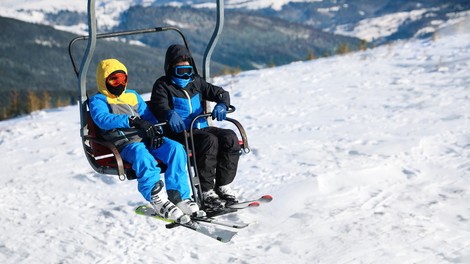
117,79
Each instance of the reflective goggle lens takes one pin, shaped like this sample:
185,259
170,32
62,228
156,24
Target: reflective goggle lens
117,79
184,70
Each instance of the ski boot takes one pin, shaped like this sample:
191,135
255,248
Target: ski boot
212,200
226,193
164,207
190,208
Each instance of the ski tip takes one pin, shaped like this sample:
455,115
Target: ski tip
223,240
254,204
267,197
226,237
140,209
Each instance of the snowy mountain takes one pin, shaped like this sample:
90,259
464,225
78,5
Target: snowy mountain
376,21
245,43
366,155
108,11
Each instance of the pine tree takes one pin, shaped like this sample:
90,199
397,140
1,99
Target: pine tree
33,102
46,100
343,48
15,108
311,55
363,45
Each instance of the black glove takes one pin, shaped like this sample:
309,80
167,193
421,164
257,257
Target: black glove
157,141
154,133
150,129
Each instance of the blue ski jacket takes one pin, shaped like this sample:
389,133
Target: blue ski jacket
111,113
188,101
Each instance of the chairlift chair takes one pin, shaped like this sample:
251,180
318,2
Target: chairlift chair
103,156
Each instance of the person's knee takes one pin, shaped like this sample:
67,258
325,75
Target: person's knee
134,151
231,141
208,142
171,149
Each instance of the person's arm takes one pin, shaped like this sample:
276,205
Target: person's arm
160,101
103,118
213,93
144,111
162,107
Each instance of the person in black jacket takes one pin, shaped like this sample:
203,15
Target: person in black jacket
177,98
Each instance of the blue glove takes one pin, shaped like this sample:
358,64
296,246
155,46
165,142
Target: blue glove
219,112
175,122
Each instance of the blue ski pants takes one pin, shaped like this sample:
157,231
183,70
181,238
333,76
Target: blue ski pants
172,154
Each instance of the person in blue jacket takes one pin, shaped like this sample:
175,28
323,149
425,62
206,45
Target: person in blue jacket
127,122
177,97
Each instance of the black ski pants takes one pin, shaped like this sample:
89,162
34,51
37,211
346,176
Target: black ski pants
217,153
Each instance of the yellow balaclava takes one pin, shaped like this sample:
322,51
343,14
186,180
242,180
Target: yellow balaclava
106,68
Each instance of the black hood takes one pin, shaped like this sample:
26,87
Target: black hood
174,54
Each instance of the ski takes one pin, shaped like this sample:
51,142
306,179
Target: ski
211,231
251,203
231,208
214,221
211,213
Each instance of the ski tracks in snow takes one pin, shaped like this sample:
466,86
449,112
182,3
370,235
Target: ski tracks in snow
366,156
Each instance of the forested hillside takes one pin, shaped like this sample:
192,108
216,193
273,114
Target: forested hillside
38,73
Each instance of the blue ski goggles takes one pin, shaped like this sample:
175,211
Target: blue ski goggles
184,71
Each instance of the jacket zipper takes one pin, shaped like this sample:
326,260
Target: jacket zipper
189,102
191,107
132,114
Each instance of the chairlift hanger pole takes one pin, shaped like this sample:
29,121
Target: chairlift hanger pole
85,64
214,39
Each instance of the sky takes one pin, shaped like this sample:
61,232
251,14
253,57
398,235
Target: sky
366,156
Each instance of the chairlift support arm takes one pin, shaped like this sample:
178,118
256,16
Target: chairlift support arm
214,39
120,34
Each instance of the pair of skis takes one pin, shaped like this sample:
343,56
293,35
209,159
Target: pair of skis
209,225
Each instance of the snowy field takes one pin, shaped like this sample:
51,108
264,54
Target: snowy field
367,156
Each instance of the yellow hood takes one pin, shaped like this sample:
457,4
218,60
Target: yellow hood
104,69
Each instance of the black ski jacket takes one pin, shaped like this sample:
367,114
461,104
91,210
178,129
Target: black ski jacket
188,101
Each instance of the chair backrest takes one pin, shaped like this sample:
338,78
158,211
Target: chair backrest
106,156
99,151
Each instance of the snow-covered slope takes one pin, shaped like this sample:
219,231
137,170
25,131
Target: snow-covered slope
108,11
381,27
366,155
341,17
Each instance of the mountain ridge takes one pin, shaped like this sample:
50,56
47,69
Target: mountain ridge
339,16
251,39
36,62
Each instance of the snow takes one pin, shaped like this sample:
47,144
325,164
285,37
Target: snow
259,4
366,155
373,28
109,11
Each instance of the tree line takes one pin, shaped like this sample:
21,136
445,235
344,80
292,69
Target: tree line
342,48
19,102
16,103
